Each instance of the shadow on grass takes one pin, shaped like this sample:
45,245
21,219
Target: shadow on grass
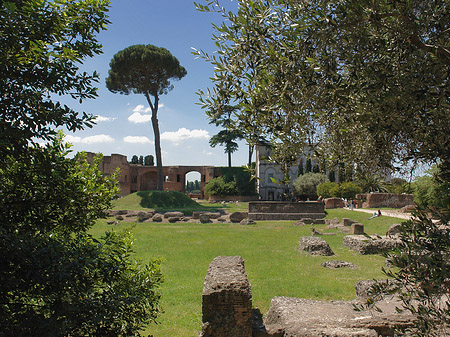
162,201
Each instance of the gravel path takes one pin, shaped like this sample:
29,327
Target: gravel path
391,213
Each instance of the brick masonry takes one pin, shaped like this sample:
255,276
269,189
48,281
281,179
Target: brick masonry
226,299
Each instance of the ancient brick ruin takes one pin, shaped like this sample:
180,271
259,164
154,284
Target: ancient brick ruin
373,200
226,299
135,177
227,310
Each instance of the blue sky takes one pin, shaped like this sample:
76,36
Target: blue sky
123,125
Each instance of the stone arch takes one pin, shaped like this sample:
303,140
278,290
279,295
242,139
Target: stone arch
197,176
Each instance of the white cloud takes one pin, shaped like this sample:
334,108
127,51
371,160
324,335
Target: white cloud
183,134
99,118
140,108
137,140
89,140
139,118
142,114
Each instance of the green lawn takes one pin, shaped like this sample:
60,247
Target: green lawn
172,201
273,264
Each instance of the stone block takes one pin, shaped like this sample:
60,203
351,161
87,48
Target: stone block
173,214
333,203
304,317
394,230
283,210
204,218
226,299
347,222
157,218
142,216
314,246
238,216
357,229
369,245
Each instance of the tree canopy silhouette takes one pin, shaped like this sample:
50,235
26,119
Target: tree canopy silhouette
147,70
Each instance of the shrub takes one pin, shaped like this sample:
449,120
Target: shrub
218,186
349,190
235,181
307,184
327,189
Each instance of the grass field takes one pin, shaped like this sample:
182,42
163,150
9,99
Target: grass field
172,201
273,264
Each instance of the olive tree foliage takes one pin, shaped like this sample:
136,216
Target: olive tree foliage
307,183
147,70
55,278
367,80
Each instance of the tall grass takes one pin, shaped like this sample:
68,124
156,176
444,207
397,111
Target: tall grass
273,264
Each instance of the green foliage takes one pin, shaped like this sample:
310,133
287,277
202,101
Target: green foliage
228,136
346,190
431,191
245,185
44,191
328,189
349,190
42,44
147,70
308,168
234,181
419,274
372,183
316,168
56,279
332,176
149,160
134,159
143,69
193,187
385,98
307,184
399,186
219,186
300,168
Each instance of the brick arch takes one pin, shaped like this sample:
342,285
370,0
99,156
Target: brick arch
135,177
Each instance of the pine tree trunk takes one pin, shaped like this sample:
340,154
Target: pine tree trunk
159,169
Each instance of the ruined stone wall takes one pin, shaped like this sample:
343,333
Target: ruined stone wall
333,203
373,200
226,299
281,210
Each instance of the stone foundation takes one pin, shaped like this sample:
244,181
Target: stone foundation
226,299
279,210
373,200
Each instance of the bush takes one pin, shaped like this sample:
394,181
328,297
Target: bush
235,181
346,190
307,184
218,186
327,189
429,191
349,190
